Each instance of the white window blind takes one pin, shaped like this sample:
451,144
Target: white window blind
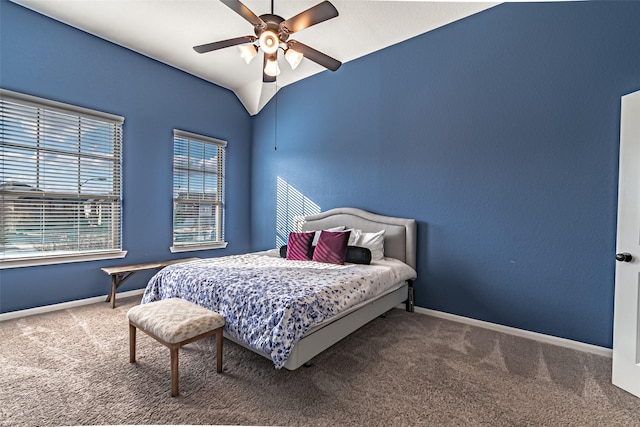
198,191
60,173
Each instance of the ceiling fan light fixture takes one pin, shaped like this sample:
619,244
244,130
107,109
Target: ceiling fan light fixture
271,68
269,41
293,57
248,52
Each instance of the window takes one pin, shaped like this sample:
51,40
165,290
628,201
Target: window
198,192
59,182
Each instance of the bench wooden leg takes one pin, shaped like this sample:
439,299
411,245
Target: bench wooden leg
219,350
114,286
174,369
117,279
132,343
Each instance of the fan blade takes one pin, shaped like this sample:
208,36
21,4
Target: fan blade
315,55
204,48
245,12
312,16
265,77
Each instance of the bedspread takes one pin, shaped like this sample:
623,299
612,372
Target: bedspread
270,302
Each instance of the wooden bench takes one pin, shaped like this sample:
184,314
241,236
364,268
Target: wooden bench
121,273
175,322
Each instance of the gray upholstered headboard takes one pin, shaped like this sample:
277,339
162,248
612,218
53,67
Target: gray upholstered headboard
399,236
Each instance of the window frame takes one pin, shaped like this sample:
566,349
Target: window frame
218,202
45,106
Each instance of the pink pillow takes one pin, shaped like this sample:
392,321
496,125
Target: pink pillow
332,247
298,246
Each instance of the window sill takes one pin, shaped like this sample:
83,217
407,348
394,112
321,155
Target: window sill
189,248
60,259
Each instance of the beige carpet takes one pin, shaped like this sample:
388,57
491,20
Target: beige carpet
71,368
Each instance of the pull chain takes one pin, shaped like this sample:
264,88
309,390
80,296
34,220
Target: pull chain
275,137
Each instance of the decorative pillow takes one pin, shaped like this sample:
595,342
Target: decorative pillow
354,255
373,241
358,255
298,246
317,235
331,247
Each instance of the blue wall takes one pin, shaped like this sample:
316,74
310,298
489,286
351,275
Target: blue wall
500,137
45,58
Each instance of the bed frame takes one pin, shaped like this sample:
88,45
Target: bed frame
399,243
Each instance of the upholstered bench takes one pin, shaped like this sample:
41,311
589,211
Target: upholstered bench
175,322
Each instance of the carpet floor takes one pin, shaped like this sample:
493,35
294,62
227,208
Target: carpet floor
71,367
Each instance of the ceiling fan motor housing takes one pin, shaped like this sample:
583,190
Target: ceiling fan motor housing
273,24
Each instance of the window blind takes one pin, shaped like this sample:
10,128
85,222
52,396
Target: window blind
198,190
60,178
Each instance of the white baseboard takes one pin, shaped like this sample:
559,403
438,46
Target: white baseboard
548,339
65,305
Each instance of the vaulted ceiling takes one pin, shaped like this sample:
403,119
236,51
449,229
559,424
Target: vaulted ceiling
167,30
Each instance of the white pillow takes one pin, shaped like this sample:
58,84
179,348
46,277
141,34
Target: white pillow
353,237
373,241
317,235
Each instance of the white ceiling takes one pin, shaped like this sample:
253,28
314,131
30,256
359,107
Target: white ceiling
167,30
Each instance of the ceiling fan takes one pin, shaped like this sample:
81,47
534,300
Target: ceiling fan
272,33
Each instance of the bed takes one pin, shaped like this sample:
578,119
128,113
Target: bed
290,311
